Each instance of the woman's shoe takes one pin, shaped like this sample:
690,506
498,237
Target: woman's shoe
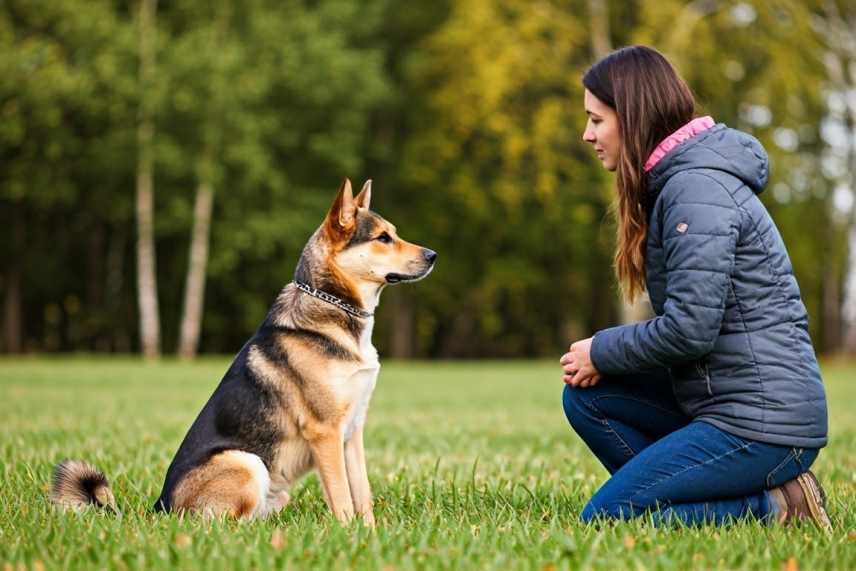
802,498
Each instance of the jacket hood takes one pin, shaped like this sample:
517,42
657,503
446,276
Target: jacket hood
720,148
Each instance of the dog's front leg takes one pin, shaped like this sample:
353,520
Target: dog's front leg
358,478
328,453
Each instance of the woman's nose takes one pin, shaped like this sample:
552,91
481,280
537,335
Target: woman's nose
588,136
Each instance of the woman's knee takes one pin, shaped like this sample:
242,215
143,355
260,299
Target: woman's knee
590,513
573,402
596,509
578,406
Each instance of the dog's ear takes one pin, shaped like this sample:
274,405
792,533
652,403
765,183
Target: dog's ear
341,215
364,198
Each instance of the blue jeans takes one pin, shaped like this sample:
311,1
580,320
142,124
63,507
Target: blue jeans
665,463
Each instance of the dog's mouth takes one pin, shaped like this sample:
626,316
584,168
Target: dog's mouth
394,278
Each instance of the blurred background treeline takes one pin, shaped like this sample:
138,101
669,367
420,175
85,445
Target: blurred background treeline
163,163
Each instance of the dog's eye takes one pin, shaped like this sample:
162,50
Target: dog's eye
385,238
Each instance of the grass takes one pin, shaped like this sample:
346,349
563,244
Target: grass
472,466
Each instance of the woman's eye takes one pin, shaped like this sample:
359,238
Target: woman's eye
385,238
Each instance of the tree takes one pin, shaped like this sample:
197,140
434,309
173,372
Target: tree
835,24
266,109
768,79
217,71
147,289
601,45
466,114
65,86
496,169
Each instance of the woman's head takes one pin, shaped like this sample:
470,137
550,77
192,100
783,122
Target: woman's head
602,130
634,99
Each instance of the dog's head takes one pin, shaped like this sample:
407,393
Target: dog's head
365,247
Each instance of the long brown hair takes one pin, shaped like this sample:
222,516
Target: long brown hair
652,102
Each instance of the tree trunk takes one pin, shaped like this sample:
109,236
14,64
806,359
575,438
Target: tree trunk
116,336
12,310
831,307
849,345
194,292
401,346
838,29
849,307
12,324
601,45
147,294
599,28
639,310
96,312
830,283
211,128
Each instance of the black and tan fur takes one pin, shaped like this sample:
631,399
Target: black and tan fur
78,484
296,395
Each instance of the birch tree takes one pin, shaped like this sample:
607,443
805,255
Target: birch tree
835,23
147,287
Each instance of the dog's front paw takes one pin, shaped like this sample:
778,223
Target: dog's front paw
368,519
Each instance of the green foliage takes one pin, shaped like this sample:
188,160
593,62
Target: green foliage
498,170
466,114
473,466
66,99
769,79
270,102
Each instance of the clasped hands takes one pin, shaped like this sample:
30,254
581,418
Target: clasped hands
578,369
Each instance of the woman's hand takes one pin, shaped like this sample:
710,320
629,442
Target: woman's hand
577,365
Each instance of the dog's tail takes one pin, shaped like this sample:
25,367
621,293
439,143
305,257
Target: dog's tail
78,484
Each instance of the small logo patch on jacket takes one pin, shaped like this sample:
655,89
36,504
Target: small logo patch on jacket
682,227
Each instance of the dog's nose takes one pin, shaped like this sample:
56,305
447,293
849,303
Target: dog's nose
430,255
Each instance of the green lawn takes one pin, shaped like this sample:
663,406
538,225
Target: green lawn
472,466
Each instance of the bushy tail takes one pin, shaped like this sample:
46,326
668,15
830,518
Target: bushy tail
78,484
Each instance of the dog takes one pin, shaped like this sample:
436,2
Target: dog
296,395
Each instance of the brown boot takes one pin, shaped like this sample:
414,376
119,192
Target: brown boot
802,498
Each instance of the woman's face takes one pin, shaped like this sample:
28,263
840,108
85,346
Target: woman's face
602,131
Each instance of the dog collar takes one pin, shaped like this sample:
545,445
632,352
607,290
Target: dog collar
332,300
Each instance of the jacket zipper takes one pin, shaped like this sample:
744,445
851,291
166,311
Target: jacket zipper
703,370
706,373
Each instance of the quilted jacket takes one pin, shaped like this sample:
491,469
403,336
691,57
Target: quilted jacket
730,325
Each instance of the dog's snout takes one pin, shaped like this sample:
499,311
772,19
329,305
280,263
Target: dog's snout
430,255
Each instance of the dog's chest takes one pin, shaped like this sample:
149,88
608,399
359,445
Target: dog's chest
360,387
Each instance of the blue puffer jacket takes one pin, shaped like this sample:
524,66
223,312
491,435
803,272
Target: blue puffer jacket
730,325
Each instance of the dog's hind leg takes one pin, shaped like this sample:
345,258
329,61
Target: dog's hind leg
277,499
231,482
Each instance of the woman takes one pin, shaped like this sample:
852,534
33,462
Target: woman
714,409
